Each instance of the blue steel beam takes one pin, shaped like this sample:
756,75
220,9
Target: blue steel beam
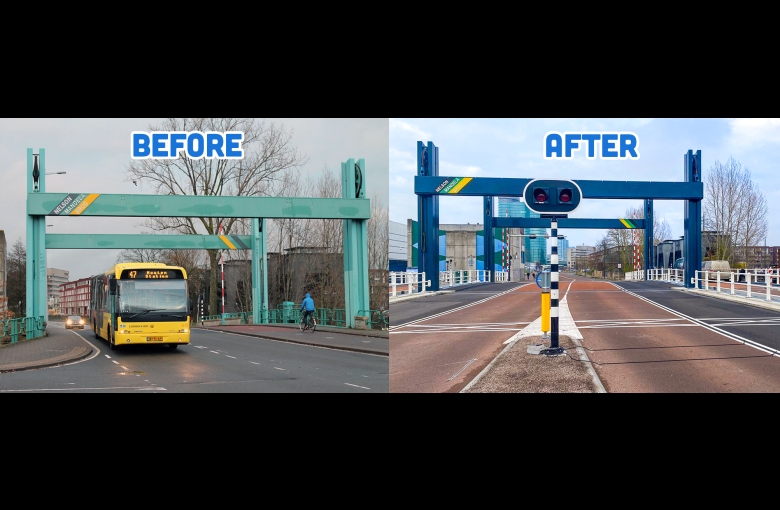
428,217
499,222
145,241
649,263
196,206
506,187
692,220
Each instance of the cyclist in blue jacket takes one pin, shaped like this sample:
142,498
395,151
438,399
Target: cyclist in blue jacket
307,307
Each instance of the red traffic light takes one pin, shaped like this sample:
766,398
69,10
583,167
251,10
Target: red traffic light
540,195
564,195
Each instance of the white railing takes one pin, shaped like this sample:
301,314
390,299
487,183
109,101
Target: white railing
450,278
635,275
665,275
405,283
740,284
501,276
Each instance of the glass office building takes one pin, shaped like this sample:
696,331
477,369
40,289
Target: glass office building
534,250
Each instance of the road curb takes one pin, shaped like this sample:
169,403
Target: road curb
300,342
419,295
75,354
775,307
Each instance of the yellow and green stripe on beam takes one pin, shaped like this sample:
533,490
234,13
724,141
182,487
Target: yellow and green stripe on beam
234,242
628,223
455,185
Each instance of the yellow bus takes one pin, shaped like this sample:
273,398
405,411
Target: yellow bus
141,303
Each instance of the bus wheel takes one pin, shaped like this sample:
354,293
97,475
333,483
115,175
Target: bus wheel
111,344
173,346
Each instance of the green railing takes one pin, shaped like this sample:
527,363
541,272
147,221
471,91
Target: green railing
333,317
377,319
22,328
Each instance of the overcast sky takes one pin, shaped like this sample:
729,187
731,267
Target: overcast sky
96,152
514,148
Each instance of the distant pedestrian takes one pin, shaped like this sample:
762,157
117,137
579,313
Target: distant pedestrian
527,274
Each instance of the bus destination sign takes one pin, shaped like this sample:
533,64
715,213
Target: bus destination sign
141,274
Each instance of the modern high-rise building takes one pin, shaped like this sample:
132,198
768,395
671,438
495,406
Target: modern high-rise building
534,250
563,252
397,246
55,277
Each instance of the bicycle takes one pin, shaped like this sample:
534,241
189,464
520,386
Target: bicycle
310,324
381,317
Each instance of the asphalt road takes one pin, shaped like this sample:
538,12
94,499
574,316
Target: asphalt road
439,343
640,337
214,362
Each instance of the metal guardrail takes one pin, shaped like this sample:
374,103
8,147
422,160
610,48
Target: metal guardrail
405,283
332,317
750,284
465,276
22,328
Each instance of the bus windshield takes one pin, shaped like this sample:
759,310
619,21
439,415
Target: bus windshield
158,295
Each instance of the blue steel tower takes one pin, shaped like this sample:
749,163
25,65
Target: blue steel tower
535,250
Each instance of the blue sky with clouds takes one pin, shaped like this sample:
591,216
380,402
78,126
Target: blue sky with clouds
505,147
96,152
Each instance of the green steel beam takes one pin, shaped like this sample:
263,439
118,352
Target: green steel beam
196,206
147,241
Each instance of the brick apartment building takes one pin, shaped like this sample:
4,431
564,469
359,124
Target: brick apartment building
74,297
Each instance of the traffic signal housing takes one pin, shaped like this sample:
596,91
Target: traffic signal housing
547,196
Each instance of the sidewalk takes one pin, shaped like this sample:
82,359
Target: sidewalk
357,340
57,347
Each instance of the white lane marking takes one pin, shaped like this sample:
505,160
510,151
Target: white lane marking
85,389
200,346
450,330
566,324
124,367
115,362
215,352
393,328
254,362
279,368
462,369
356,386
107,356
703,324
230,356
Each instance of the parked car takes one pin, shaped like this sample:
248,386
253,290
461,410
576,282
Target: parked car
74,322
713,267
679,263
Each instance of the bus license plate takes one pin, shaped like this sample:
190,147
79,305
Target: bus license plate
154,339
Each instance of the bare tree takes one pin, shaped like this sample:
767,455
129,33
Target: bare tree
661,230
16,287
378,233
141,255
734,208
268,153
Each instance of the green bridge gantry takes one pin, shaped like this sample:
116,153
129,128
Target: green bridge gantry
354,208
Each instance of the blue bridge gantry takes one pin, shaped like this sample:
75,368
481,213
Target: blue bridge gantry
429,186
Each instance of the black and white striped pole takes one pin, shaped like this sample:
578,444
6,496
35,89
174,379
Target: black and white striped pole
554,311
553,199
